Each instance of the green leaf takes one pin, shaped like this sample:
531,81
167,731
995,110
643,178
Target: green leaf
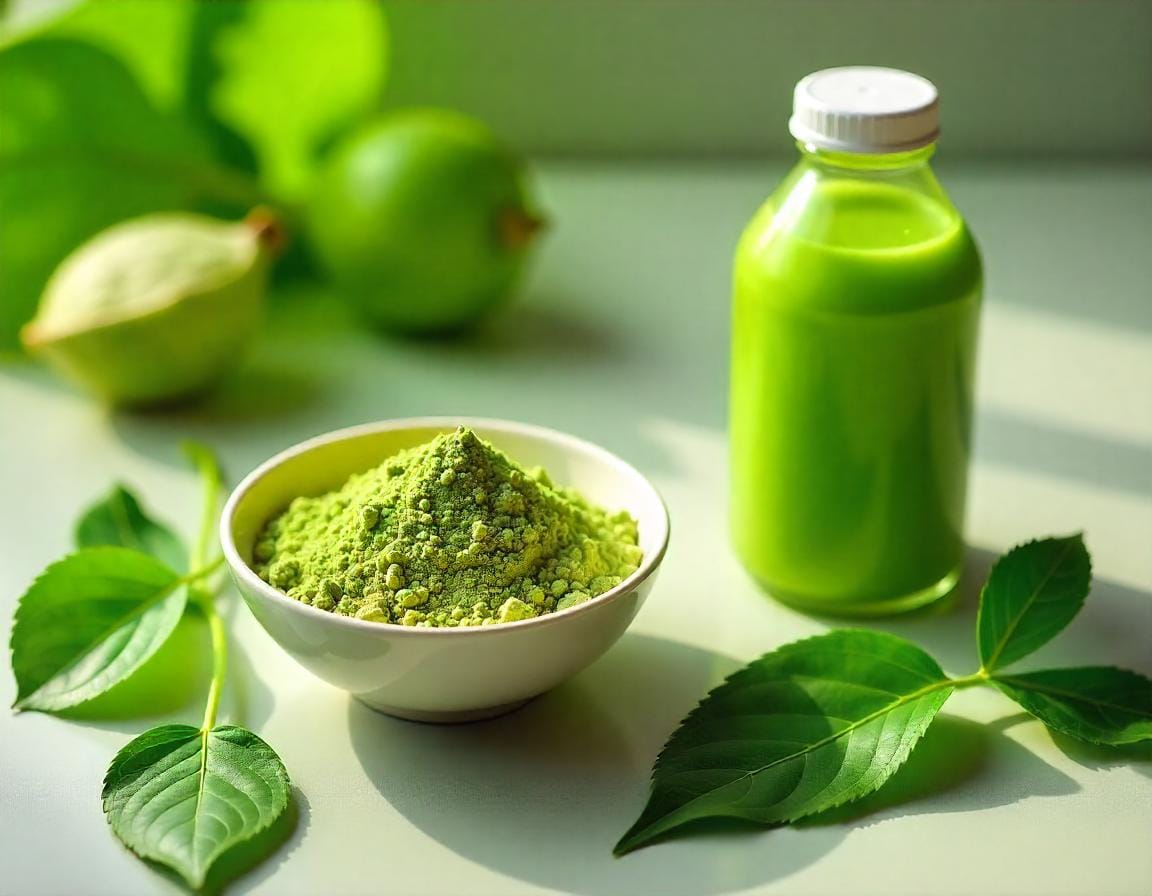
118,520
203,71
170,48
82,148
183,797
149,37
1099,704
1033,591
811,726
88,622
295,74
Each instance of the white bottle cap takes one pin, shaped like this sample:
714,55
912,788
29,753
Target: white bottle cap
865,109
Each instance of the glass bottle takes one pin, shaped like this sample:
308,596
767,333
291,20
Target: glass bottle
856,301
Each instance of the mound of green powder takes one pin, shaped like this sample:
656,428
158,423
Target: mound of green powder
451,533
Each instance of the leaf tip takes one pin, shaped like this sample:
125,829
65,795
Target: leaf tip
625,845
634,838
27,703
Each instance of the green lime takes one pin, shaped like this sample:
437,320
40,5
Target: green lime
424,220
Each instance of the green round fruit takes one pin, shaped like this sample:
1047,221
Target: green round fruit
424,220
156,308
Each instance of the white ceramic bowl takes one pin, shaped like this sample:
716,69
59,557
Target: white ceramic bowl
442,674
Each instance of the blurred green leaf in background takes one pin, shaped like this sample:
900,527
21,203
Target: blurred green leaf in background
81,147
114,108
170,46
293,75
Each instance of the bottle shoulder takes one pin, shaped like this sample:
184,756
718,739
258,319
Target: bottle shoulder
847,243
859,210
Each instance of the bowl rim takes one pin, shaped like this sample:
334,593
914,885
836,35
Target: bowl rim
240,569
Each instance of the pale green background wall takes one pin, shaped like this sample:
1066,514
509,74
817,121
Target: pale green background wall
1063,78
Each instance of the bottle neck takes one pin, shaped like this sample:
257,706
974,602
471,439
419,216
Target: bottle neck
823,192
855,162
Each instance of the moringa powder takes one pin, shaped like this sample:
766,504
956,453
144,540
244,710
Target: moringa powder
450,533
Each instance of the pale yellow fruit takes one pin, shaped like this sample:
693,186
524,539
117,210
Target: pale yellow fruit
157,308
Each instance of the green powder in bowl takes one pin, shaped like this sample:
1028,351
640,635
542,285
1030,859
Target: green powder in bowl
450,533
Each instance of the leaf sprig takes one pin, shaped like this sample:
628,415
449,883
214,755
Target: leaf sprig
178,794
828,720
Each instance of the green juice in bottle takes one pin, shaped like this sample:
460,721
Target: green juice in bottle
856,302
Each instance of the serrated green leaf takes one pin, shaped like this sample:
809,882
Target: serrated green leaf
1032,593
1098,704
88,622
118,520
80,148
293,74
183,797
811,726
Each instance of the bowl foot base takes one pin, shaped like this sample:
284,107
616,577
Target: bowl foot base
444,717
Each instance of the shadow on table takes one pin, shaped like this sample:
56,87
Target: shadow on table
1113,628
173,684
265,387
958,766
543,794
248,865
544,331
546,362
1085,205
255,861
1081,455
170,686
268,384
1102,758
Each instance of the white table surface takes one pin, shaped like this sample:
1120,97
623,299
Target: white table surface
621,338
